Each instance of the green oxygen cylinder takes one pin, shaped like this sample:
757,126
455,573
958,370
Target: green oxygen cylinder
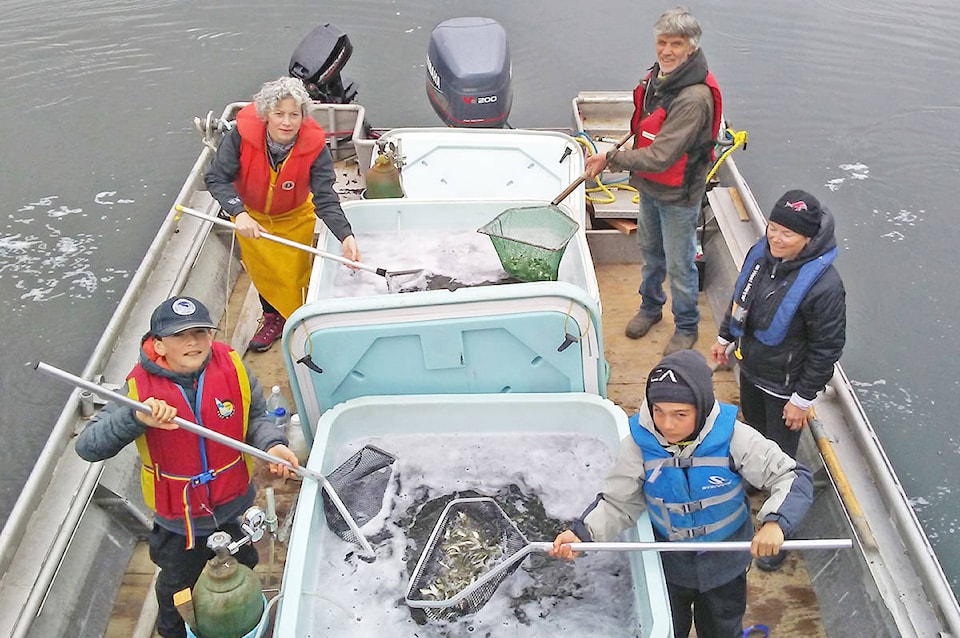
227,598
383,179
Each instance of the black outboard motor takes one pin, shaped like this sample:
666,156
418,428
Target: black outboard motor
469,73
317,61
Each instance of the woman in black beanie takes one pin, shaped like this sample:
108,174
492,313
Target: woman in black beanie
788,320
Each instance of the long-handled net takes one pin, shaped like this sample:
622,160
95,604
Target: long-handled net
475,546
361,481
530,241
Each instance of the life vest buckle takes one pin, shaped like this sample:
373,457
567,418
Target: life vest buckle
202,479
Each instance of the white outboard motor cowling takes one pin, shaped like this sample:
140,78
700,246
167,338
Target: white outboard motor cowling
469,74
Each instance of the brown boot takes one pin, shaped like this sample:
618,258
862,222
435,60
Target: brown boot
641,324
271,327
680,341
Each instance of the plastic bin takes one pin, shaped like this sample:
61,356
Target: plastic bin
307,605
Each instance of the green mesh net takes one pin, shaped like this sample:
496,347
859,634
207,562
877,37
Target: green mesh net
530,241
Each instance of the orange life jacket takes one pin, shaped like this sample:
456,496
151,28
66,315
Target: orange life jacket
647,128
264,189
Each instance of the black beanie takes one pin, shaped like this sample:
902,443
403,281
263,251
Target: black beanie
666,386
799,211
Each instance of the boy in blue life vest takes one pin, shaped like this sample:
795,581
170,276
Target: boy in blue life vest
194,485
687,461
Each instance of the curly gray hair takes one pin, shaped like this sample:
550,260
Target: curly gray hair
275,91
679,21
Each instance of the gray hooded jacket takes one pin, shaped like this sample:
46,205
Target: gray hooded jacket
759,461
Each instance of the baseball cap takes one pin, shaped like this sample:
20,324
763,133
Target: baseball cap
178,314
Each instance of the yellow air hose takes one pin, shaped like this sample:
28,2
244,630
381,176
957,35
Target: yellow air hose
609,198
739,139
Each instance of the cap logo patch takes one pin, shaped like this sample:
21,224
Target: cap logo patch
797,206
183,307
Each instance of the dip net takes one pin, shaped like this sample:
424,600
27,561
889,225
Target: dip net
360,481
472,549
530,241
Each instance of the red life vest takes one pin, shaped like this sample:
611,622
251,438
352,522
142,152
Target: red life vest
647,128
264,189
183,474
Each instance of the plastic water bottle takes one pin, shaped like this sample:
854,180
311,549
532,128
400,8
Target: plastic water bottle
295,439
277,407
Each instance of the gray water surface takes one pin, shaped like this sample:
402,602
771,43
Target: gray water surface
854,100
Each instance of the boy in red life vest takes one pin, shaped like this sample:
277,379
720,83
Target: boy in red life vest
194,486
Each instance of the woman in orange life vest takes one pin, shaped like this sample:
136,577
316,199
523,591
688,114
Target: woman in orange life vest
271,174
194,486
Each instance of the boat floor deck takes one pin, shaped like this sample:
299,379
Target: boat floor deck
784,601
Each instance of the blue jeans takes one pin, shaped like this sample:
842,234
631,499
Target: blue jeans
667,234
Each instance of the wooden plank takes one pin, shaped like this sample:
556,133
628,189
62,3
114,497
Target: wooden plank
738,204
625,226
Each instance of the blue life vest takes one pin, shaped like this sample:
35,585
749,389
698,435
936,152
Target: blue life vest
806,276
695,498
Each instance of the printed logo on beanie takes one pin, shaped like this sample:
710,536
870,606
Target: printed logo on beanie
799,211
666,374
665,386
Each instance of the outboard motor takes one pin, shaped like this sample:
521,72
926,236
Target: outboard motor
317,61
469,73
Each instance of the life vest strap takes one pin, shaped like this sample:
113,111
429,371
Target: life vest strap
192,482
703,503
693,533
197,479
685,462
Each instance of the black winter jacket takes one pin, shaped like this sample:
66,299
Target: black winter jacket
803,362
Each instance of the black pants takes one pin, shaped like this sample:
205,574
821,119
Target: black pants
717,613
267,308
180,568
764,412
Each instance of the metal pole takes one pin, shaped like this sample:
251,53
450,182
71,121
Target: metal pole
708,546
284,241
189,426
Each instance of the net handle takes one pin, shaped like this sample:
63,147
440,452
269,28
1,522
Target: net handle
653,546
709,546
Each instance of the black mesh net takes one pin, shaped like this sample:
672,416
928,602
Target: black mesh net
360,482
